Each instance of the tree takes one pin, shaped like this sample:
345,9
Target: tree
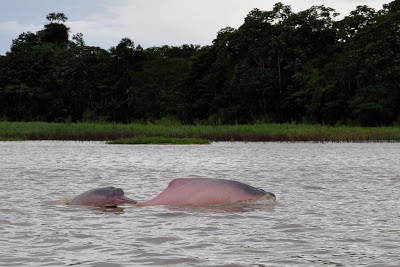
126,60
159,88
56,17
375,52
26,79
55,32
78,39
24,41
78,74
363,16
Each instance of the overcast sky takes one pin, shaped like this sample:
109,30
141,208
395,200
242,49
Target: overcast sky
147,22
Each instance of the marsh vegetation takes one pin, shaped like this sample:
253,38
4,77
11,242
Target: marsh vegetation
255,132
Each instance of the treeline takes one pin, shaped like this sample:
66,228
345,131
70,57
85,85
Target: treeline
279,66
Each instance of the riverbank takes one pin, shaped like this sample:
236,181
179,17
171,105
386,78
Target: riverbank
251,133
159,140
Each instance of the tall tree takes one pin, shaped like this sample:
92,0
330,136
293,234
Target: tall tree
126,60
55,32
79,74
56,17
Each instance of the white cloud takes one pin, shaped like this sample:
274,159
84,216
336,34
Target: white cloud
175,22
15,28
155,23
159,22
10,30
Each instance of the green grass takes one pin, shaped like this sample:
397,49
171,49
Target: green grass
160,140
257,132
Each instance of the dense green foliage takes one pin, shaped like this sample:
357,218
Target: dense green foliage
279,66
256,132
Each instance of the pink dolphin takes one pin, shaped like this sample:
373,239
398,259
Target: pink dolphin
205,191
105,196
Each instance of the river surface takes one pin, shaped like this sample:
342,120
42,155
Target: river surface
337,205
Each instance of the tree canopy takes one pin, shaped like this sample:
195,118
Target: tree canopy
279,66
56,17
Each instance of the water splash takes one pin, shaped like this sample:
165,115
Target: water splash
65,200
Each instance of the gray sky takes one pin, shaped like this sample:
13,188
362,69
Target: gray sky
147,22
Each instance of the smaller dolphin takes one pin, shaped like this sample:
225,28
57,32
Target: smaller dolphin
102,197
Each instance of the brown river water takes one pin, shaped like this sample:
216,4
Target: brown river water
337,205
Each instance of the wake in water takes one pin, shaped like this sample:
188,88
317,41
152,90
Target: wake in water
65,200
262,201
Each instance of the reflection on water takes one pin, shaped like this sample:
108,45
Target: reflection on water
337,205
243,206
109,209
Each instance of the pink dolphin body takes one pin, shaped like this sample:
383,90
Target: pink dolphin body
102,197
205,191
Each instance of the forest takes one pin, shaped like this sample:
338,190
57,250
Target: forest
277,67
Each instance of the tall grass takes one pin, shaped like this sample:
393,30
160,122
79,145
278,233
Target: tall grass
257,132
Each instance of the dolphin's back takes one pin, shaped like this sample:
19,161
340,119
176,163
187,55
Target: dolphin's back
204,191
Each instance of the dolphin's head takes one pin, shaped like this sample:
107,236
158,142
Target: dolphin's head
113,196
104,197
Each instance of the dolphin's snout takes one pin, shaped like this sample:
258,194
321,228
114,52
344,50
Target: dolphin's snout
127,199
267,193
271,194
